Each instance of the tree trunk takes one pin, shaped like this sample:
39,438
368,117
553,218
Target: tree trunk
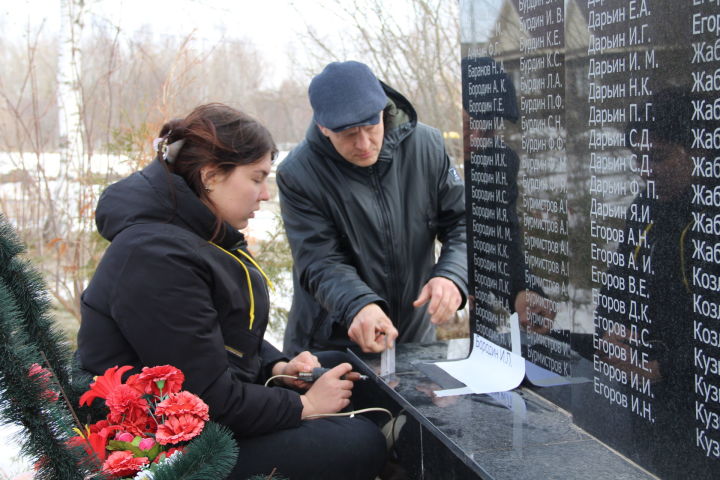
70,118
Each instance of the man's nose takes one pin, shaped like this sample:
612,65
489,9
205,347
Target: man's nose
362,142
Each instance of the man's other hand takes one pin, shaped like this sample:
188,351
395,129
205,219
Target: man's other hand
444,297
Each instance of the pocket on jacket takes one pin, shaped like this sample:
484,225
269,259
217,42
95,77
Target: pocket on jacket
242,351
242,342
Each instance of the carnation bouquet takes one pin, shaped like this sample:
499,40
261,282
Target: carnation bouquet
149,424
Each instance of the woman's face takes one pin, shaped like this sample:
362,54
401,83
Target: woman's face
237,195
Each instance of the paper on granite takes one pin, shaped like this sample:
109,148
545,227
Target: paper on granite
489,368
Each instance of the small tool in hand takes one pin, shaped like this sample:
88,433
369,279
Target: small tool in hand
387,360
317,373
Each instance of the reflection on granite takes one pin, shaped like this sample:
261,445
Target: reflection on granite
457,348
514,435
591,145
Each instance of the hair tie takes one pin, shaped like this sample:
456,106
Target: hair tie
169,151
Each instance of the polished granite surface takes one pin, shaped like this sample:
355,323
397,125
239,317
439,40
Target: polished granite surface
515,435
592,146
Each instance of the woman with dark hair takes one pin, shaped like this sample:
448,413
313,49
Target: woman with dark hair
177,286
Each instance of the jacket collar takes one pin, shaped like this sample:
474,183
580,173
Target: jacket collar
154,195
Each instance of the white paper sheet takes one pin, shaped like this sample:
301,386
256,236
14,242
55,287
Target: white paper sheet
489,368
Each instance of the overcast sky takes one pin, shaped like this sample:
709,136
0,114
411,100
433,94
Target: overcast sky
271,25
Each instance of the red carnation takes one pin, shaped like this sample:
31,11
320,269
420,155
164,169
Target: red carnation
182,403
163,379
140,426
103,385
123,464
180,428
130,410
126,403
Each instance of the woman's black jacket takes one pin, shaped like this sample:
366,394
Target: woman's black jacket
163,294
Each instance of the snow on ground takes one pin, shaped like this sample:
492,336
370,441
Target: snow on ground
11,464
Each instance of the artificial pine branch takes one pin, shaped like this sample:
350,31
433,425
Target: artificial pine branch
210,455
46,423
29,293
9,246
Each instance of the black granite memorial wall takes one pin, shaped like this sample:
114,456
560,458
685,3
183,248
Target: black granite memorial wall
592,168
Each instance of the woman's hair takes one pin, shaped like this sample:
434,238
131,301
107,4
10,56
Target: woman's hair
217,136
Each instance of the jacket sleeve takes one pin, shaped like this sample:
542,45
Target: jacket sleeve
452,231
324,269
162,303
270,356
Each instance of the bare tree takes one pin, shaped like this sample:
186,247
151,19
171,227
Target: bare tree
66,216
286,111
75,118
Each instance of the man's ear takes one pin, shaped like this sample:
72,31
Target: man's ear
325,131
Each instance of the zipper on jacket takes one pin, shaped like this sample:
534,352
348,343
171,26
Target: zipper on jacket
249,279
387,230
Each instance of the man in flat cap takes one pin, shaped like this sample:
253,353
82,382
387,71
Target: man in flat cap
363,199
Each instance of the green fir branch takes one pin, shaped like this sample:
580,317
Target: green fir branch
46,423
210,455
28,290
9,246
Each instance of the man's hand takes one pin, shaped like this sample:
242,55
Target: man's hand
529,301
444,298
371,329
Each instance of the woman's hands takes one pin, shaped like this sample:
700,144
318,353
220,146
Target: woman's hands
303,362
329,393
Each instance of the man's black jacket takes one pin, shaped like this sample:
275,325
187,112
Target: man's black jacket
363,235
